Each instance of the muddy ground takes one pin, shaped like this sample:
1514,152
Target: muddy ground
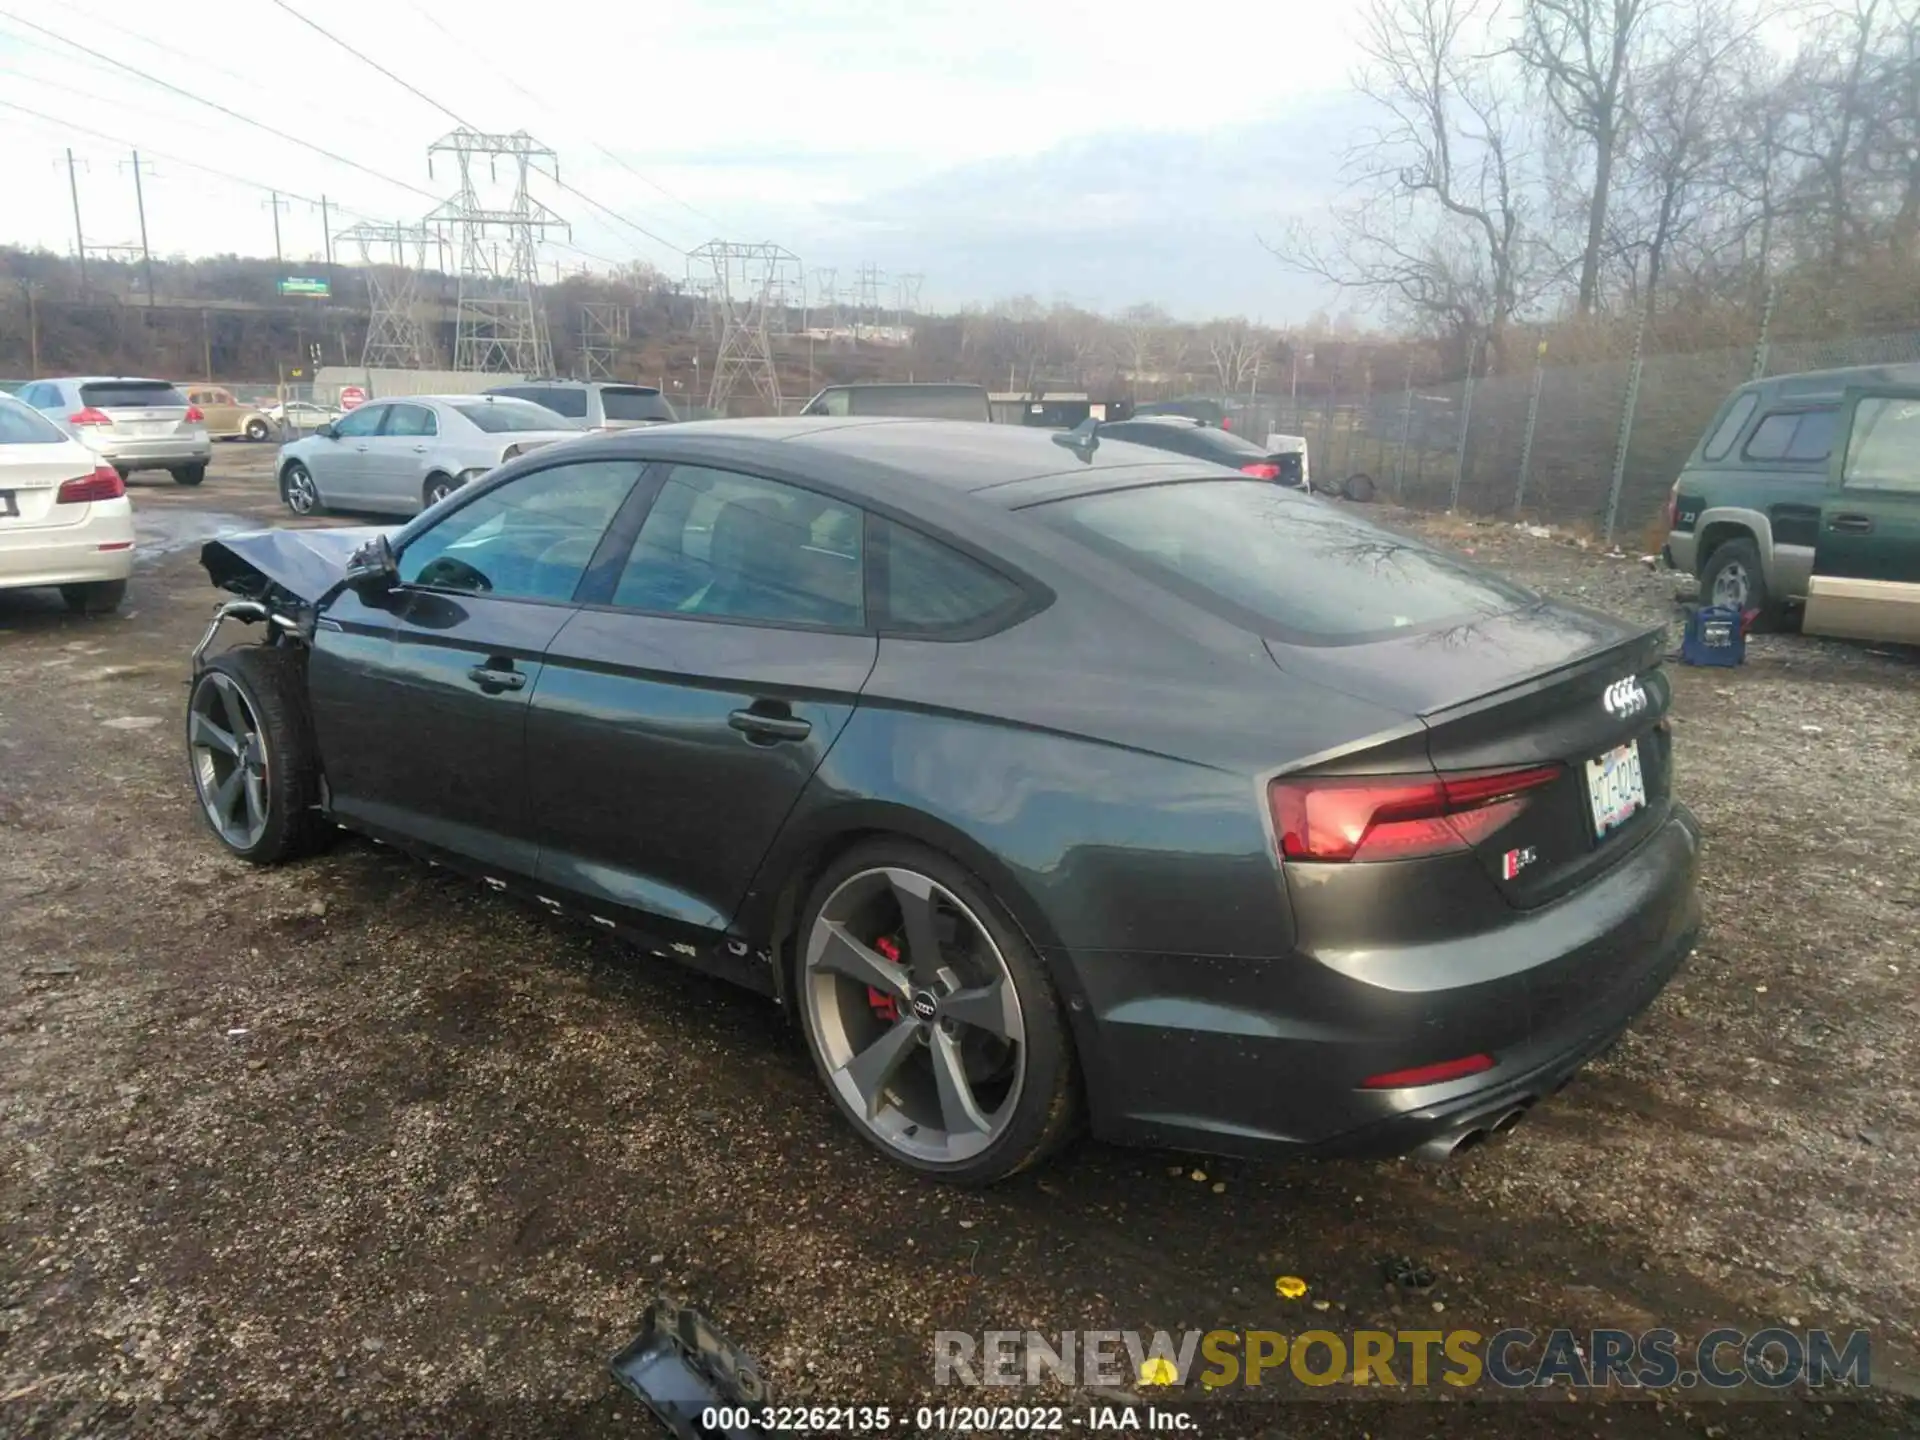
355,1147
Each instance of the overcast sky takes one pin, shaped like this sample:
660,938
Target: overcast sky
1052,149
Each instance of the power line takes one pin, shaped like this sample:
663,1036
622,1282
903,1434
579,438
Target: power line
152,79
410,88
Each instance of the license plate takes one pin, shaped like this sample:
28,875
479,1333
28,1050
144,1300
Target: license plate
9,507
1615,787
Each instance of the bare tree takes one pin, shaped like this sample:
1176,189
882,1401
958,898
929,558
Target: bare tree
1832,79
1236,349
1142,330
1438,224
1582,51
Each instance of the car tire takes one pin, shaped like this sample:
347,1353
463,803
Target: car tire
298,492
1733,577
255,697
1359,488
437,488
257,429
190,474
890,1075
95,597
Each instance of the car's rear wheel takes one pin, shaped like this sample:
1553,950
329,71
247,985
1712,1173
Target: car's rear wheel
257,429
250,748
1359,488
190,474
437,488
1733,579
931,1019
97,597
297,490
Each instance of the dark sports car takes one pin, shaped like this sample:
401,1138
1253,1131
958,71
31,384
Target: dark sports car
1041,778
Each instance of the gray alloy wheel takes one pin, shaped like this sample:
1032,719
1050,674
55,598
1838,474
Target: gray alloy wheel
1732,585
299,491
438,487
257,430
228,748
916,1016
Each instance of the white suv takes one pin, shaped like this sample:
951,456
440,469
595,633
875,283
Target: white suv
130,423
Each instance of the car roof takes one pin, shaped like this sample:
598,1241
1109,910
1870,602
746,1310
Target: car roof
574,384
899,458
107,380
1814,385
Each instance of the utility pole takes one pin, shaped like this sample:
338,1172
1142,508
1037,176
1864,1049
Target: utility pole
146,253
326,235
79,238
274,204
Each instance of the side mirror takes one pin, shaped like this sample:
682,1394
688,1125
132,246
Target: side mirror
327,431
372,570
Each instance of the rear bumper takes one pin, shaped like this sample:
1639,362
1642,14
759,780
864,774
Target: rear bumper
1264,1056
70,554
150,452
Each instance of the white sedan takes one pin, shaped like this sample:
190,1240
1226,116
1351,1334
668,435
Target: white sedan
402,455
65,519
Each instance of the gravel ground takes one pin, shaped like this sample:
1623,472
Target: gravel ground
355,1147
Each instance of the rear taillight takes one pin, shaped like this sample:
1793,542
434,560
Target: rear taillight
1261,470
103,484
1397,817
194,417
89,416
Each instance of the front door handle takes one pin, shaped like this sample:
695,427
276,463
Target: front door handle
1852,524
493,679
757,725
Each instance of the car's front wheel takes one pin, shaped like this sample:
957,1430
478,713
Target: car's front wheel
297,490
931,1019
250,748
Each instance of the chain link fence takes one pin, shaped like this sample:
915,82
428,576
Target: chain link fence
1595,446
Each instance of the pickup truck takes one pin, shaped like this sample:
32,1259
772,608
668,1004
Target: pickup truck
1804,492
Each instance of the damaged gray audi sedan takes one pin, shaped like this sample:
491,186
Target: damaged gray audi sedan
1041,779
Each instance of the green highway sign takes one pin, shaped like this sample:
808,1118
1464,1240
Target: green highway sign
296,285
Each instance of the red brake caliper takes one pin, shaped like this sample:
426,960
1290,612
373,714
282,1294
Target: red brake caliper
883,1005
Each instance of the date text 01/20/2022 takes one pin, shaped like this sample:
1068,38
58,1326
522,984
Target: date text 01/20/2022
941,1419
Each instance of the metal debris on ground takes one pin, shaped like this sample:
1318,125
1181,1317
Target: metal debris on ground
1404,1273
680,1366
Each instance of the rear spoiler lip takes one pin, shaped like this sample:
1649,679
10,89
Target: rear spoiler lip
1644,648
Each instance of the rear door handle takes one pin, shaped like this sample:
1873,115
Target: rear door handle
419,449
493,679
1853,524
755,724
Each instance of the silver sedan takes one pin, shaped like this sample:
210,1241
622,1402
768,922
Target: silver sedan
400,456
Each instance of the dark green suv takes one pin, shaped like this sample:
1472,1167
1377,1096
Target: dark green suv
1805,490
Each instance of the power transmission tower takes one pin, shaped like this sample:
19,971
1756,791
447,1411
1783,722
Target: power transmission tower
906,301
603,329
499,324
866,296
396,338
823,299
748,281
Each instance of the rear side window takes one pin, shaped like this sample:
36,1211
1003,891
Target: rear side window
1729,428
561,399
131,395
1792,435
20,425
929,588
1281,562
631,404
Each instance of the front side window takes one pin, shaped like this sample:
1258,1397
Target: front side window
728,546
358,424
832,402
1282,562
1883,452
529,539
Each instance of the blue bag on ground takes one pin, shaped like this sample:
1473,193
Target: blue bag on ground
1716,635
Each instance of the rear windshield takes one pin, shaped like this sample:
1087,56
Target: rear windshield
21,425
562,400
1281,562
1225,446
635,404
499,415
131,395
